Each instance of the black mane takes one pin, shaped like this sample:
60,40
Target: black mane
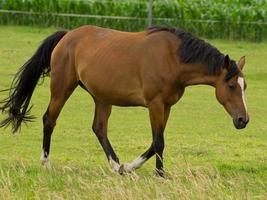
193,50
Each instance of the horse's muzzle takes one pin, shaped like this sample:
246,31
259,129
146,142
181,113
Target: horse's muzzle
240,122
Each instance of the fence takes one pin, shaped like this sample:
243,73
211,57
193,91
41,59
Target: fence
217,21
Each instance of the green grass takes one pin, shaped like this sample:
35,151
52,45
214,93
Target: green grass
205,156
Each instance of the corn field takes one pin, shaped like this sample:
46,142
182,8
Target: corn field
230,19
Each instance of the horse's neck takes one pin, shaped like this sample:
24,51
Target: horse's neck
194,74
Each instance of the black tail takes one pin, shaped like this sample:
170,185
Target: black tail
24,82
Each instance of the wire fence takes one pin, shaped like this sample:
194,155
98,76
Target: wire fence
124,17
216,22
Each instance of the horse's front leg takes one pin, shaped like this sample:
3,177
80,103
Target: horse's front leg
100,124
159,113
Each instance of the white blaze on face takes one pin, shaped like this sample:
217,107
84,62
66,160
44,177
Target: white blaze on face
240,81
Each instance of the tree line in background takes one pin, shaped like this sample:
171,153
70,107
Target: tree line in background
230,19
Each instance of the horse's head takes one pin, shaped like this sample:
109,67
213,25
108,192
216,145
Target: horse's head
230,91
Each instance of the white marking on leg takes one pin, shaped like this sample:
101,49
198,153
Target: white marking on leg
240,81
113,164
44,157
129,167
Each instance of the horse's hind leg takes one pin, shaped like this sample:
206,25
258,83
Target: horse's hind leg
100,124
63,84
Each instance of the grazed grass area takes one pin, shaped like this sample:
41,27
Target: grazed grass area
205,156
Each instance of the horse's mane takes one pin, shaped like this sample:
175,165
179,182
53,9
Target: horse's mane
193,50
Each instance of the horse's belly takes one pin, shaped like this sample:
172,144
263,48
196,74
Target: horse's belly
126,92
119,97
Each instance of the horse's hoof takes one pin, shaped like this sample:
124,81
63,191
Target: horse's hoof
44,161
125,168
160,173
121,170
46,164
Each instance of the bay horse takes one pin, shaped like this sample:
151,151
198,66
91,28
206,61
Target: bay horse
149,68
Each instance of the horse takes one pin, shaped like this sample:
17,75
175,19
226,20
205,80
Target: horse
150,68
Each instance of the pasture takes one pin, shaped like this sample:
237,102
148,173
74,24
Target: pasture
205,156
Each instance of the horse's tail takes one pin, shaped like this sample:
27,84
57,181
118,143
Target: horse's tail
24,82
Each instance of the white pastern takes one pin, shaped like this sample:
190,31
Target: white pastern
44,157
240,81
113,164
129,167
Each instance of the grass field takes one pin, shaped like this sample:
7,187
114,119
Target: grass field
205,156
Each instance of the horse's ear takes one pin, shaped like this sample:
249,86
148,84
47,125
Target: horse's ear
241,63
227,62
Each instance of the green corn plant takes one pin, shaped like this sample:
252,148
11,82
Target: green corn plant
232,19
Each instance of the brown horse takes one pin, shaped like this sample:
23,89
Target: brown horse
149,69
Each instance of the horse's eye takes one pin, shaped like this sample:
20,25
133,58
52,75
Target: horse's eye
231,86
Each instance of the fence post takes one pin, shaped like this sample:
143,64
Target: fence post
149,8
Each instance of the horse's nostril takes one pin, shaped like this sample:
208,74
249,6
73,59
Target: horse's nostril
240,119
